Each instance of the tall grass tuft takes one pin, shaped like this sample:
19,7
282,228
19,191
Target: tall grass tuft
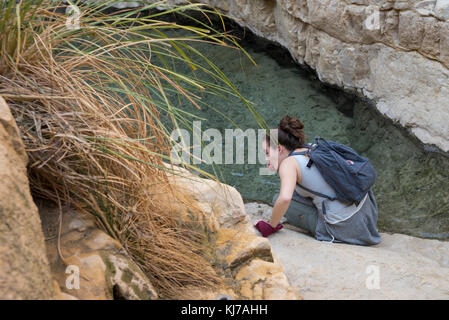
89,103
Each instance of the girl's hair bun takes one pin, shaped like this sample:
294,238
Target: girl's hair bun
290,133
292,126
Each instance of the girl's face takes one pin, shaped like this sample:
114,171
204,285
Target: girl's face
273,156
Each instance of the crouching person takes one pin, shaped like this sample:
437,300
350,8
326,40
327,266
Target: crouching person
305,198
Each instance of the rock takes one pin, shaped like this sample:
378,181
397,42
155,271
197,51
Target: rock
223,202
402,4
444,42
94,265
391,71
222,5
258,15
222,293
24,268
92,277
261,280
242,257
238,248
288,27
400,267
424,8
442,9
410,30
260,211
61,295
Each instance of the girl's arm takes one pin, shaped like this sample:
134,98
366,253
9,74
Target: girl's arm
288,174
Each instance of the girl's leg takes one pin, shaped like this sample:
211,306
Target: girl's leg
301,212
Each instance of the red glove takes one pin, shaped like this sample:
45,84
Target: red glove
266,229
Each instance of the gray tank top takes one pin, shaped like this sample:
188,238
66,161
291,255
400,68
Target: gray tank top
312,179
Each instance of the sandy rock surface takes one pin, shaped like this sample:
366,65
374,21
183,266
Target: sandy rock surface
400,267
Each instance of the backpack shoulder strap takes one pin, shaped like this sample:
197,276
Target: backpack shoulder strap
319,194
302,153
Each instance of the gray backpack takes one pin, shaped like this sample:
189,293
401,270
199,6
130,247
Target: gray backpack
348,173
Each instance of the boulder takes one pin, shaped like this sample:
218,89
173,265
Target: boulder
24,268
89,264
242,257
260,280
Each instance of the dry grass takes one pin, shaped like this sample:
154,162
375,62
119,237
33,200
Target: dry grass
90,119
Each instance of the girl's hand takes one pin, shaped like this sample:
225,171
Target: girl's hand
265,229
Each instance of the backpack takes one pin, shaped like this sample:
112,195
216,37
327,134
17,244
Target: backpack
348,173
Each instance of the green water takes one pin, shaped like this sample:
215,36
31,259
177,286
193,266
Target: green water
412,188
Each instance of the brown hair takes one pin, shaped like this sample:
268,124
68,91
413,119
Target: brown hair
290,133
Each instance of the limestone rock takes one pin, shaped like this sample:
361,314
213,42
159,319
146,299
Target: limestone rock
222,293
424,8
93,266
266,281
59,295
239,250
444,43
223,202
442,9
258,15
400,267
411,30
24,268
288,28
